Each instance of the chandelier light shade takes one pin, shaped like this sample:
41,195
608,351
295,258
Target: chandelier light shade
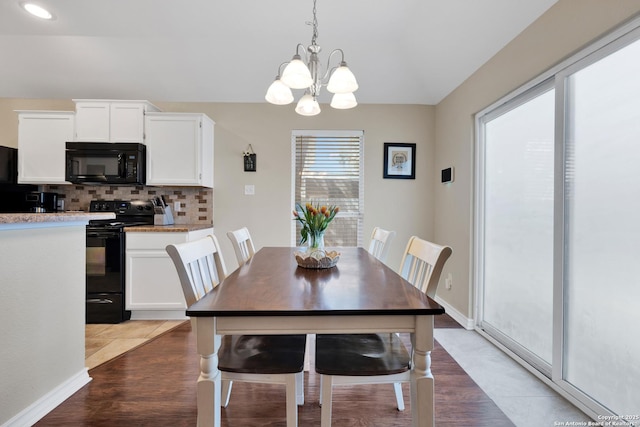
279,93
343,101
342,80
296,75
308,74
308,106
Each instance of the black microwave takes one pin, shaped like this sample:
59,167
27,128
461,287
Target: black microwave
105,163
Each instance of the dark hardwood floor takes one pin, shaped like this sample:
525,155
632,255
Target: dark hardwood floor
154,385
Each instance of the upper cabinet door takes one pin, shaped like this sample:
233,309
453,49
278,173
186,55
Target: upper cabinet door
42,136
127,122
111,121
92,121
179,149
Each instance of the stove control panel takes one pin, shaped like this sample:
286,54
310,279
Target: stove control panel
123,207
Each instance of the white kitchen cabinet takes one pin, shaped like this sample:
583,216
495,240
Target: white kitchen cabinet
42,137
111,120
152,287
179,149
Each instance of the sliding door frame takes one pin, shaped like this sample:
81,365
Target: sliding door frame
557,77
520,99
563,94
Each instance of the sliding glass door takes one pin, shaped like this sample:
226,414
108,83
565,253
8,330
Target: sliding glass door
518,225
557,226
602,230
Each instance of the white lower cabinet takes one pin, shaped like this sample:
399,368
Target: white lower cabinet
152,287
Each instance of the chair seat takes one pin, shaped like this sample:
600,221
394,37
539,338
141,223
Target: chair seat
361,355
262,354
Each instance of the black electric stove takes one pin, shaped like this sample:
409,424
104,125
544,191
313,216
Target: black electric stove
105,265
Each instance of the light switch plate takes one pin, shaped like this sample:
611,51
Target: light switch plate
249,190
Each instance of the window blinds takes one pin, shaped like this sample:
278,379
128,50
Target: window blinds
328,171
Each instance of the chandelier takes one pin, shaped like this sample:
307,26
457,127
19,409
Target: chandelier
310,76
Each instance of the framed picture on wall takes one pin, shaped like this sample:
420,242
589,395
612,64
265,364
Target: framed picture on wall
399,160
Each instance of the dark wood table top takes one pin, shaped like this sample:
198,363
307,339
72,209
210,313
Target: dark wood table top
272,284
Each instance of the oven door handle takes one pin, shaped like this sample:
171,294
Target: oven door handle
99,301
99,235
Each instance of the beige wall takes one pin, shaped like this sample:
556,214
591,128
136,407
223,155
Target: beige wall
566,27
402,205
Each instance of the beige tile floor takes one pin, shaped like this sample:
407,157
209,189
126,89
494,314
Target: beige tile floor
104,342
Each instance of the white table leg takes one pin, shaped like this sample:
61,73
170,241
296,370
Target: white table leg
326,400
209,382
422,389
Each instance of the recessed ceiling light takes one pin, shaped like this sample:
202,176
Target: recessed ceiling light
36,10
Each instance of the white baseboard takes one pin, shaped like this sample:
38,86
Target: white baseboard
464,321
41,407
158,315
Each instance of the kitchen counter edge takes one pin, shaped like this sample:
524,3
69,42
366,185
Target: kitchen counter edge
33,218
174,228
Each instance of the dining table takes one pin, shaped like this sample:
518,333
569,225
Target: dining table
271,294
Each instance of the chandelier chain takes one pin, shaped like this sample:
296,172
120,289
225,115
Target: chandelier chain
315,25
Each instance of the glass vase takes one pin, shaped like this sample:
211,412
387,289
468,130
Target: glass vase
316,241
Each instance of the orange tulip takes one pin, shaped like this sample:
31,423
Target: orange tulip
313,219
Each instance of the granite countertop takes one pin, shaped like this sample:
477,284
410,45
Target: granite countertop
175,228
30,218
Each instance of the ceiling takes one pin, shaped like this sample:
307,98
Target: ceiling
401,51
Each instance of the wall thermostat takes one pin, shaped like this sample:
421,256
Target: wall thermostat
447,175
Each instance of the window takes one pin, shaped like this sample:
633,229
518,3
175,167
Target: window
327,169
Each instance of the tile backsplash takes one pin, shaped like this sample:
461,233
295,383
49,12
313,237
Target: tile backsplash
196,203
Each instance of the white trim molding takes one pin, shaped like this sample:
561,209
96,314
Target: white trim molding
41,407
465,322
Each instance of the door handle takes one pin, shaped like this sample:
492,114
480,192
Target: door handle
99,301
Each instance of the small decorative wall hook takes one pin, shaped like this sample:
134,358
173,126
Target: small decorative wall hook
250,159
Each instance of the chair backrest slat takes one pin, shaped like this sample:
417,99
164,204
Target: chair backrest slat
200,266
380,243
242,244
422,264
203,275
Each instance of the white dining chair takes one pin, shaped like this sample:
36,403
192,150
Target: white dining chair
242,244
272,359
352,359
380,243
